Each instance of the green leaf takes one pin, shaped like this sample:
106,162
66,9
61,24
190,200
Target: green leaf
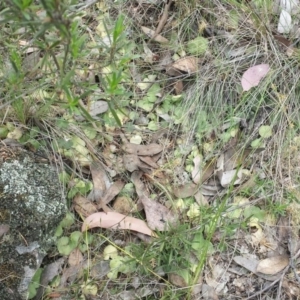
197,46
115,115
68,220
75,236
59,231
64,144
198,241
3,132
145,105
34,284
90,132
153,125
265,131
256,144
64,177
118,29
254,211
65,245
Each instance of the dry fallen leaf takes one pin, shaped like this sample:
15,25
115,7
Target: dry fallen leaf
251,264
101,181
209,293
272,265
113,220
178,86
254,75
83,206
208,170
131,162
124,205
113,191
187,64
233,177
97,107
186,190
139,186
144,150
196,172
149,161
150,33
75,257
49,272
158,216
285,22
177,280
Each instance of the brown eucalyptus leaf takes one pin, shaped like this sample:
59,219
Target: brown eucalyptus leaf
187,64
124,205
139,185
113,220
251,264
177,280
131,162
101,181
178,86
149,161
144,150
113,191
83,206
208,170
185,190
158,216
156,157
272,265
75,257
150,33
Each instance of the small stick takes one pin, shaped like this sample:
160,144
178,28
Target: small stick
163,20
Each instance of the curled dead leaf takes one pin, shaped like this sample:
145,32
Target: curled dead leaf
101,181
113,220
158,216
254,75
273,265
188,64
149,161
251,264
83,206
75,257
151,33
113,191
186,190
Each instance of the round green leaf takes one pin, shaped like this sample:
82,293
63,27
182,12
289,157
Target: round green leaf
256,143
265,131
197,46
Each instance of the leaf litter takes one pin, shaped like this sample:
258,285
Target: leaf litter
206,179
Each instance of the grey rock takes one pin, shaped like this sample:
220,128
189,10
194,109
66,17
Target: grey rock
32,204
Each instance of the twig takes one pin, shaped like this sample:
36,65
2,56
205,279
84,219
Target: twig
163,20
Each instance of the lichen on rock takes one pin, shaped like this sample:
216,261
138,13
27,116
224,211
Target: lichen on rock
32,204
